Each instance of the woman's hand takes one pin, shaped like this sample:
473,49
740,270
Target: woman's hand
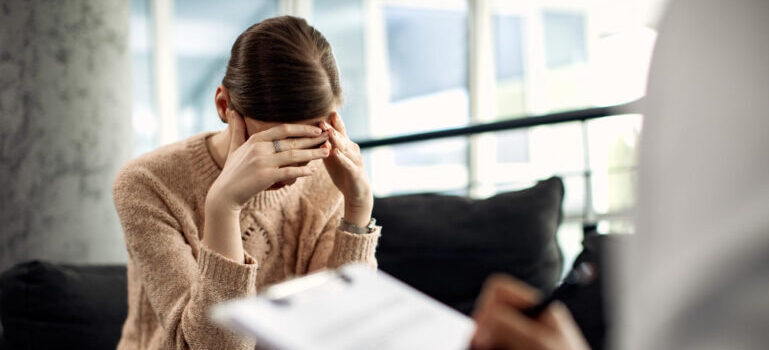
345,166
501,324
253,165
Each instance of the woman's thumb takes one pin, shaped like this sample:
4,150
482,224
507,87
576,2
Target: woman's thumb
237,127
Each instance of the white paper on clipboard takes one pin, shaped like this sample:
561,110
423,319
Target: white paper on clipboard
354,307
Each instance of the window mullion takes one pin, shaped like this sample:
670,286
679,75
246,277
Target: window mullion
481,86
298,8
164,61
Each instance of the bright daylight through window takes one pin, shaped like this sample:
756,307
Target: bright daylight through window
424,65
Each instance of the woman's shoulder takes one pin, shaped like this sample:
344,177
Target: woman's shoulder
170,166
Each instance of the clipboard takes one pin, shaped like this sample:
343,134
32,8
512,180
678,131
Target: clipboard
351,308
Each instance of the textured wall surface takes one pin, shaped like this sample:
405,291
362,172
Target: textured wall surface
65,128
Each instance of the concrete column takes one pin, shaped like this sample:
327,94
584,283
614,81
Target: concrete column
65,128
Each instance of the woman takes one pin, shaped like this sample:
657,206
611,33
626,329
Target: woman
280,192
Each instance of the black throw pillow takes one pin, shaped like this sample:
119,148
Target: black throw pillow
446,246
48,306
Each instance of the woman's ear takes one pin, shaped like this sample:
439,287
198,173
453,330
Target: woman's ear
222,101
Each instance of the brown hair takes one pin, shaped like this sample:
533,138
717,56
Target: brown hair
282,70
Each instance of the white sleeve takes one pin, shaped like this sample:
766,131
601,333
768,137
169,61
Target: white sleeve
696,275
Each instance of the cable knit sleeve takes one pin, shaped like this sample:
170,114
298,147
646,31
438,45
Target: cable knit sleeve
180,287
336,247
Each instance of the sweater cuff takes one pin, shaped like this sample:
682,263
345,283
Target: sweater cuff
351,247
216,267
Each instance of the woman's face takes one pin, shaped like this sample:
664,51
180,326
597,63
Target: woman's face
254,126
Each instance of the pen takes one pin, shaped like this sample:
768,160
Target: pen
582,275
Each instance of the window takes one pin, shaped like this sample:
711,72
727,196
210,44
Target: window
203,33
145,123
612,143
565,40
567,74
413,66
427,75
427,56
343,23
509,64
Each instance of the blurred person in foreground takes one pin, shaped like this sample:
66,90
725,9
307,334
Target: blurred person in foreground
696,274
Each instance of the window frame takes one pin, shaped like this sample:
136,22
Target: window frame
481,150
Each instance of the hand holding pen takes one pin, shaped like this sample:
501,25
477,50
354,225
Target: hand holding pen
512,315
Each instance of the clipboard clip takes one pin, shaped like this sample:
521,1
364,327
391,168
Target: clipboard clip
328,280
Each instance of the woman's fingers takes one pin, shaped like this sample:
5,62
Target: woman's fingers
338,123
302,142
349,148
237,127
299,156
345,161
336,139
292,172
285,131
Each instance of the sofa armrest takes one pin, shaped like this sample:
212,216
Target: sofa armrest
47,305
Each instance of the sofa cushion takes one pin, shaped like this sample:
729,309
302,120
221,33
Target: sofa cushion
446,246
48,306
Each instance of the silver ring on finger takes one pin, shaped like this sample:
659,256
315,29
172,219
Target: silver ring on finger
276,145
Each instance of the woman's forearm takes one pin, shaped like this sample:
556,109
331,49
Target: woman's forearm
357,214
221,231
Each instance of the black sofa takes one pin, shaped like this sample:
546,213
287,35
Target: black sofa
445,246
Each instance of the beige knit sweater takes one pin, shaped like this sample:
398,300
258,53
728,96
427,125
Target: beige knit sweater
173,279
